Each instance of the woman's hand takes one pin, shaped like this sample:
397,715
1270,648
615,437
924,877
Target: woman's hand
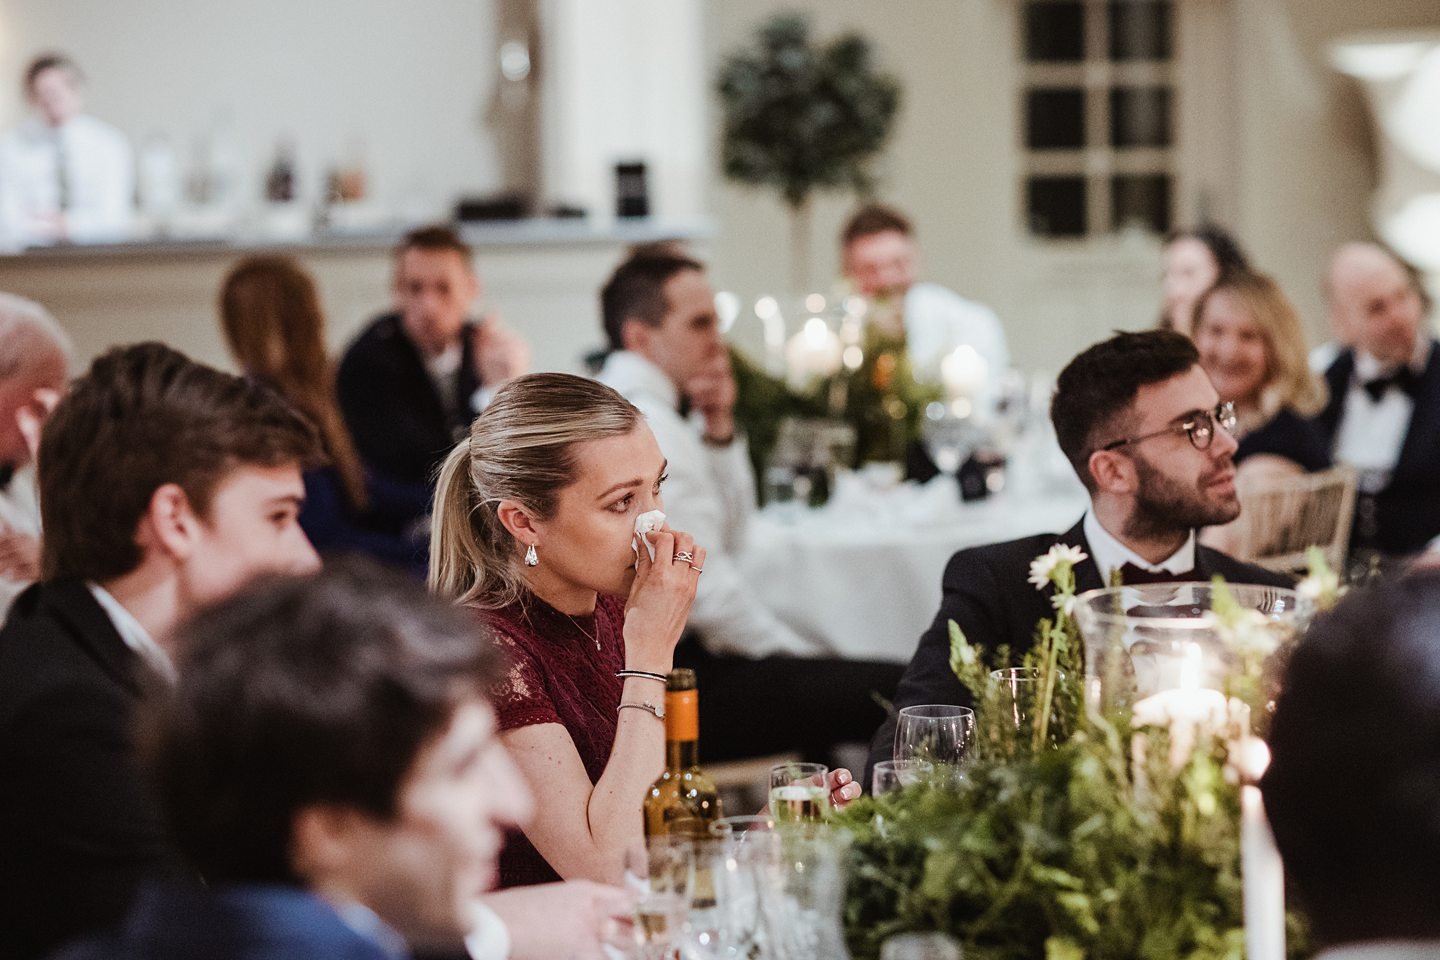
843,788
660,599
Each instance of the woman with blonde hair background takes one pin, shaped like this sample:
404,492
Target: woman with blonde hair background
1253,348
271,317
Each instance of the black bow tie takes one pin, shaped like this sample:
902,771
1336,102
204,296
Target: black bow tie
1132,576
1404,378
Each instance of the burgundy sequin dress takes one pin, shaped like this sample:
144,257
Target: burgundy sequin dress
557,676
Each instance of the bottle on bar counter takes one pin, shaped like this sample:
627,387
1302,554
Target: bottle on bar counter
684,799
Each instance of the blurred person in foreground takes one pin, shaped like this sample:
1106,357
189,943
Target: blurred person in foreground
1149,438
329,765
534,529
1192,261
1252,347
34,366
164,485
881,262
412,381
270,314
1383,415
1352,788
64,175
767,688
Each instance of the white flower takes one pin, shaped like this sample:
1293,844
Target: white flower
1064,602
1044,569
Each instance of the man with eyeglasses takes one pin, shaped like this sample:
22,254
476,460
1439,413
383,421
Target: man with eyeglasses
1145,430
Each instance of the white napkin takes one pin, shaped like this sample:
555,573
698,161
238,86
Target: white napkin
647,522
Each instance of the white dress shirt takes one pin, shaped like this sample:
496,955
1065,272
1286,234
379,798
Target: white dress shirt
938,320
99,172
1372,432
1110,554
19,512
710,494
131,631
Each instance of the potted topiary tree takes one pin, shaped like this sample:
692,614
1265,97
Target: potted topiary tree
800,116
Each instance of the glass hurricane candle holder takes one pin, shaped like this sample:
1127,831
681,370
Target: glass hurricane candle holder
1182,654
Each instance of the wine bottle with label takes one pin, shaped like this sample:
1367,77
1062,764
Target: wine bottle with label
684,799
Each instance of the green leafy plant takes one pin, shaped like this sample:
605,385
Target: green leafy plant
1072,837
799,116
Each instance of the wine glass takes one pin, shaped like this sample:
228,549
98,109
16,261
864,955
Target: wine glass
891,775
948,437
1019,684
939,733
662,878
798,791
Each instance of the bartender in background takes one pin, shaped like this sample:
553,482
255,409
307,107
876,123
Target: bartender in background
64,175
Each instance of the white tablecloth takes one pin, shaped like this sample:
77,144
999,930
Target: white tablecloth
865,577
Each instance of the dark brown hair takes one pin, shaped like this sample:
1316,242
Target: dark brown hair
273,324
636,291
871,219
436,236
299,691
50,61
141,417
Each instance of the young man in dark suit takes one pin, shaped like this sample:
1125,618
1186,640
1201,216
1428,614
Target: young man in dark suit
1143,427
413,380
1383,417
164,485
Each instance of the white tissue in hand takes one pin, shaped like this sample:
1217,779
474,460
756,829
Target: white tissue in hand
647,522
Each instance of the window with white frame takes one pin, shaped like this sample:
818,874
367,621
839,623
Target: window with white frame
1097,107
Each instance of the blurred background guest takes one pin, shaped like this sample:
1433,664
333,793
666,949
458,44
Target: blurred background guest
1383,415
1251,345
1352,793
64,175
275,329
34,364
881,261
1192,261
534,526
412,381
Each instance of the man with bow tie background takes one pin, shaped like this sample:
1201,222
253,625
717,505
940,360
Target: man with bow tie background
1143,427
1383,417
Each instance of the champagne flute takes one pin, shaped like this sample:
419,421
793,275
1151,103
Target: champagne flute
799,792
939,733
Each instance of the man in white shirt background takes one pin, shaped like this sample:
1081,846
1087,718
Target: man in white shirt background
1383,417
766,687
64,175
881,261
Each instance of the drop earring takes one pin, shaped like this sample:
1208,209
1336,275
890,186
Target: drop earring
531,558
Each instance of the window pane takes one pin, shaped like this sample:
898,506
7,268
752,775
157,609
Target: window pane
1141,200
1054,32
1054,119
1055,206
1140,30
1140,117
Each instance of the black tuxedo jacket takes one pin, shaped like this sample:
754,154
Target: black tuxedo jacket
78,832
1407,512
986,592
391,407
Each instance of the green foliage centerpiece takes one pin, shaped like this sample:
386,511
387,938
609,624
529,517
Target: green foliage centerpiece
1074,834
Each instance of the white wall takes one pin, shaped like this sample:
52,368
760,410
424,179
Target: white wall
412,79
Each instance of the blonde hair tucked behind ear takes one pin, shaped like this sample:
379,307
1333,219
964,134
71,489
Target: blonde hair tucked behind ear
520,449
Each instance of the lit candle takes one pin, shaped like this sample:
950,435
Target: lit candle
814,351
1262,873
963,372
1184,707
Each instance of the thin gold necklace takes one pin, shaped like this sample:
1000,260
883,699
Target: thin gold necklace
589,636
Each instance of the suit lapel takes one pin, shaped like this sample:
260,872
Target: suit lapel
75,609
1424,429
1337,379
419,384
